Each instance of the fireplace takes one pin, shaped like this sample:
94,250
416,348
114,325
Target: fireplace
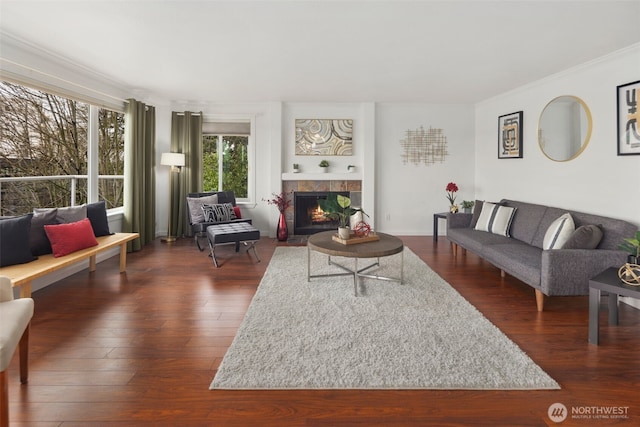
308,218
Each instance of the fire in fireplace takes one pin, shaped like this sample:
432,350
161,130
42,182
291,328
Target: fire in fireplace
308,218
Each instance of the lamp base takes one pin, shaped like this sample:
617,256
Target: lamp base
168,239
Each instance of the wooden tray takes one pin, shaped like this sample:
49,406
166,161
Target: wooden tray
354,240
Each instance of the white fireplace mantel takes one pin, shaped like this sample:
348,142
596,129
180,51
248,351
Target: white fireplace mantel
329,176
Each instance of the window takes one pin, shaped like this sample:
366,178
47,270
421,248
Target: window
45,147
226,158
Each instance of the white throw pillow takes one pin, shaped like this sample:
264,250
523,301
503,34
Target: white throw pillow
559,232
495,219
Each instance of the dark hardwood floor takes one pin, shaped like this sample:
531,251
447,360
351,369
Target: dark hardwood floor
140,349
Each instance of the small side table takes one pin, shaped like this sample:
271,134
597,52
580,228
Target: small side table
436,217
607,281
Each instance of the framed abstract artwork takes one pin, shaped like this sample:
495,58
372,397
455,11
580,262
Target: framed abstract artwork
324,137
628,119
510,136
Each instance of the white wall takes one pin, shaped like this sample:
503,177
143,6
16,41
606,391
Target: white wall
408,195
598,181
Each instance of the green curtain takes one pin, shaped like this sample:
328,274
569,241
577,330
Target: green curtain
186,137
139,173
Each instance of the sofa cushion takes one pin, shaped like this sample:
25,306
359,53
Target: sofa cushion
559,232
71,237
495,219
585,237
97,214
519,259
195,206
14,244
38,240
474,240
222,212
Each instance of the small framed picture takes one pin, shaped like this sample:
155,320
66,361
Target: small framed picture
628,119
510,136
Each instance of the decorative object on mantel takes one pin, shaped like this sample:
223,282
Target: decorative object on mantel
296,168
628,96
630,274
324,165
338,207
632,245
427,147
510,136
451,189
467,205
321,137
282,202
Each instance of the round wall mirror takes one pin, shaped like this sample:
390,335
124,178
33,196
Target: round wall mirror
564,128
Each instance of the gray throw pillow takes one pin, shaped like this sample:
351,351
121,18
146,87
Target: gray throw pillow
585,237
67,215
195,206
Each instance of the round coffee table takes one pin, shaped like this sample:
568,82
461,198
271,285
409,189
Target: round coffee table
386,246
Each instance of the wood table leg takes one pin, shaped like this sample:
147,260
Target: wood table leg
92,263
25,290
123,257
613,309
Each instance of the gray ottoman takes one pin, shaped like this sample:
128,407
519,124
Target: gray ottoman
232,233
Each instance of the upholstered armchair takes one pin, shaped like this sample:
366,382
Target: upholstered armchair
197,219
15,317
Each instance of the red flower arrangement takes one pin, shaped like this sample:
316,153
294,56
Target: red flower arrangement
451,188
280,201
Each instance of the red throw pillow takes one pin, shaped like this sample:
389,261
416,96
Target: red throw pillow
71,237
236,209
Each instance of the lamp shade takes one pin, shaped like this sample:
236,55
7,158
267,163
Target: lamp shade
172,159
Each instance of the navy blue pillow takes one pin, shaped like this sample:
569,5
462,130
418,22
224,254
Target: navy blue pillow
97,214
14,244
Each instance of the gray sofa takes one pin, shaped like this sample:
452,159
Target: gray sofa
549,272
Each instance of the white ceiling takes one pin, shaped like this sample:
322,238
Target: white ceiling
324,51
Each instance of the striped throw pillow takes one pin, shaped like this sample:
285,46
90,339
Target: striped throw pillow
218,212
495,219
559,232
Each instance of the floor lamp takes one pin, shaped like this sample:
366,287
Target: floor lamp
176,161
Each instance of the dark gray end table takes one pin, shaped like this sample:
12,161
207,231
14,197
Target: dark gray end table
436,218
607,281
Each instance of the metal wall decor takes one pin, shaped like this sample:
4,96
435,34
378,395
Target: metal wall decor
510,136
424,146
320,137
628,96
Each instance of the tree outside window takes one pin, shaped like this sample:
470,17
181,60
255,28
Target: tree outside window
42,134
229,173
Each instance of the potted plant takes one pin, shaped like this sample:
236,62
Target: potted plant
338,207
324,164
467,205
296,168
632,245
451,189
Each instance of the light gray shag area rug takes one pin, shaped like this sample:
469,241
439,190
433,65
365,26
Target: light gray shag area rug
418,335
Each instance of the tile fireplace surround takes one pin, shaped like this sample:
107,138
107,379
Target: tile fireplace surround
290,186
